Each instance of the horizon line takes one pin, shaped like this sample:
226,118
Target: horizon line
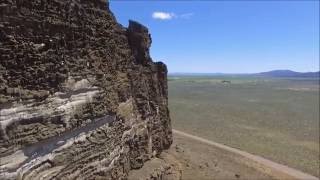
240,72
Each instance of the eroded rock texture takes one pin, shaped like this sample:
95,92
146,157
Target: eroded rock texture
80,97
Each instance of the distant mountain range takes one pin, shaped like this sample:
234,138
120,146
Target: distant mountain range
274,73
288,73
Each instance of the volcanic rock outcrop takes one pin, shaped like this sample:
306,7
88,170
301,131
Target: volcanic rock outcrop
80,97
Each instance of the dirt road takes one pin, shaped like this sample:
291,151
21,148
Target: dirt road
261,164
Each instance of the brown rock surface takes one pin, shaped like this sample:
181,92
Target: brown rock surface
80,97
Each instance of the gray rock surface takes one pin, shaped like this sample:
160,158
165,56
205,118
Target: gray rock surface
80,97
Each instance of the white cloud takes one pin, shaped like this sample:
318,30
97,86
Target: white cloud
167,16
163,15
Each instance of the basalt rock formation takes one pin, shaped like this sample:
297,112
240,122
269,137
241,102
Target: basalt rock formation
80,97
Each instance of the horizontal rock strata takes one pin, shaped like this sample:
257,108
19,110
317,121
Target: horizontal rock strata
80,97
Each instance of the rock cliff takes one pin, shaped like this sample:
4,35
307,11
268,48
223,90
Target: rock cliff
80,97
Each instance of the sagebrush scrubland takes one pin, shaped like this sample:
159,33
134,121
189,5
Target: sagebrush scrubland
274,118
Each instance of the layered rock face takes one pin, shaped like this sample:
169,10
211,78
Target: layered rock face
80,97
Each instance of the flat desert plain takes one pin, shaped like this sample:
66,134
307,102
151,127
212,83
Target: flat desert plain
274,118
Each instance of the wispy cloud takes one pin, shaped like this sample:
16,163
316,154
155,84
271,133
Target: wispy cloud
160,15
186,15
163,15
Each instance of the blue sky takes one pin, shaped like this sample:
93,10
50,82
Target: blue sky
228,36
